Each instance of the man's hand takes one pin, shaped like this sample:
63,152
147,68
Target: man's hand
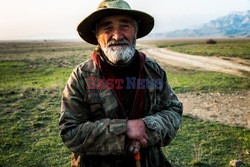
134,147
136,130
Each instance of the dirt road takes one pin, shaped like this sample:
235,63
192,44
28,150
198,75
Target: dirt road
233,66
233,109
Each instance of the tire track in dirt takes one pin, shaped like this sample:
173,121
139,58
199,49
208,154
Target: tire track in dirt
231,109
200,62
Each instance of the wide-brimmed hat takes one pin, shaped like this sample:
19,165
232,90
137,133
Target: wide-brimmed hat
113,7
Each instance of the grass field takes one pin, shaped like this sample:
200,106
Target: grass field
224,48
32,79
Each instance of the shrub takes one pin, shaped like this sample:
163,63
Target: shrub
211,41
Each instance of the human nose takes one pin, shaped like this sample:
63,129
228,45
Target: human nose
117,35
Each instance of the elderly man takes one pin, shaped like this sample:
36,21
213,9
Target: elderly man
118,103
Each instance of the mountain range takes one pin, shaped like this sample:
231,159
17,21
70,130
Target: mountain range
236,24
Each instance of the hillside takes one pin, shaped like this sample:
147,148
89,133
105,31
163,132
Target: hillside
236,24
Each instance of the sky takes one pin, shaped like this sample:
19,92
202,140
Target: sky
58,19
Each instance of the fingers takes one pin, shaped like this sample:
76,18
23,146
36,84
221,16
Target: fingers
133,150
136,131
143,142
134,147
136,150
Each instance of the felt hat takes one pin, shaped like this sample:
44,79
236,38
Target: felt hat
86,28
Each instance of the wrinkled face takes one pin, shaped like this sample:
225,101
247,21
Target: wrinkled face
117,37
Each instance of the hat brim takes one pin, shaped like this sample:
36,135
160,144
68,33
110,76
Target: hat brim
87,26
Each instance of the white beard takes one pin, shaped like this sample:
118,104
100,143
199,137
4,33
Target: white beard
119,54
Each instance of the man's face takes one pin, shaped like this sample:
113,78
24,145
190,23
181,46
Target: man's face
117,37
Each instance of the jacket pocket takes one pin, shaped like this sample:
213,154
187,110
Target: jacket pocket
95,105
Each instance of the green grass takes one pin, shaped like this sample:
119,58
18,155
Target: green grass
224,48
184,80
29,129
32,79
202,81
24,75
208,144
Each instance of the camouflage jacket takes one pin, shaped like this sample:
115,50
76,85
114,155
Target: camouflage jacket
92,128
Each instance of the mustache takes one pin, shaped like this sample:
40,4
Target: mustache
120,42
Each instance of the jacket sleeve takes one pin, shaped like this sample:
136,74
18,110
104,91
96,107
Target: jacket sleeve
163,124
79,132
